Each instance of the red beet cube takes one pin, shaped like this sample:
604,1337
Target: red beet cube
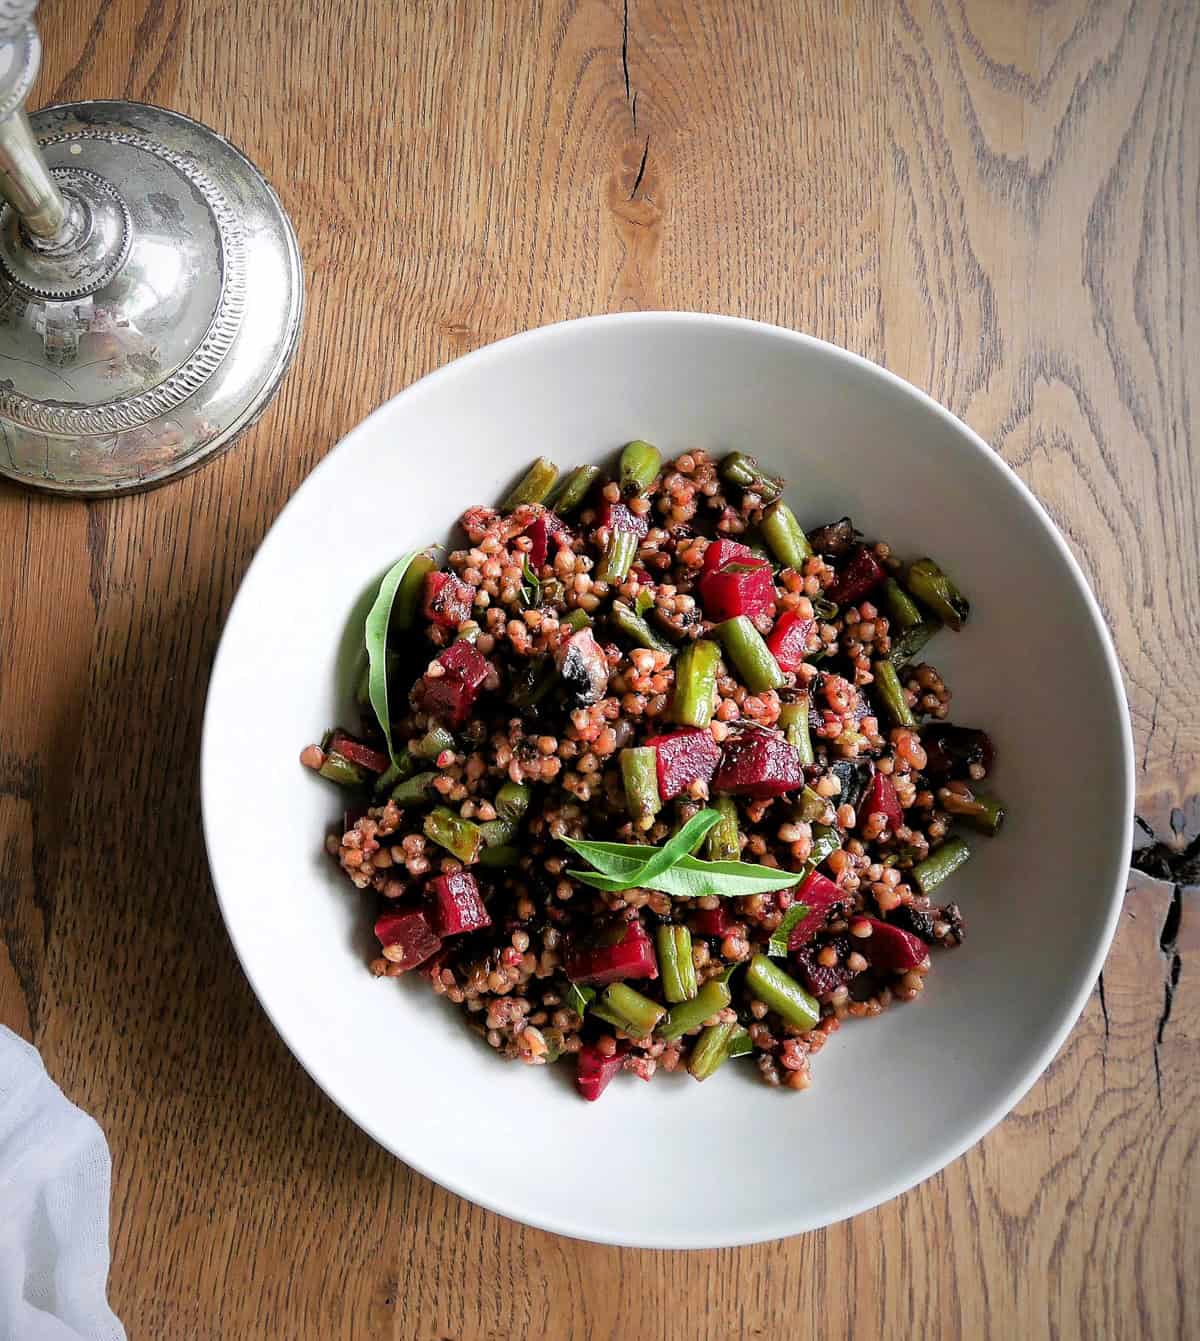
593,1070
861,573
618,517
791,640
457,905
759,763
821,979
450,696
712,921
890,948
358,753
819,894
721,552
544,528
743,586
682,758
881,799
626,953
406,937
447,599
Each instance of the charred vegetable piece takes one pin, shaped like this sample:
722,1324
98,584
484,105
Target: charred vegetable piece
447,600
675,963
629,954
532,681
834,539
714,996
639,771
740,587
940,865
759,763
621,1006
792,639
934,590
406,937
951,751
819,978
682,758
891,694
785,536
891,949
860,575
639,465
534,486
460,837
750,655
574,488
907,643
744,471
820,895
593,1070
695,683
450,694
457,904
781,993
358,753
711,1049
881,799
582,668
723,842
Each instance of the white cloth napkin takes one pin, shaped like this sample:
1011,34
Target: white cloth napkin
54,1180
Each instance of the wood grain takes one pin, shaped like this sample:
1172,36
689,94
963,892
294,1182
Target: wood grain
1001,201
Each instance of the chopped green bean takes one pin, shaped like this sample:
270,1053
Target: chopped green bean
740,1044
620,550
639,770
413,791
574,488
675,963
643,601
343,771
640,462
504,854
497,832
635,628
512,801
433,742
793,717
458,836
909,642
811,806
785,535
401,767
982,813
891,694
904,611
750,654
711,1050
533,486
934,589
941,864
695,683
621,1006
723,839
781,993
713,997
743,470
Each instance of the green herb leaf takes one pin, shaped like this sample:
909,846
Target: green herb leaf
655,860
375,635
531,587
643,601
777,946
691,878
824,609
579,998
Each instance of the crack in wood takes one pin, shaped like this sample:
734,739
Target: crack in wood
625,48
641,172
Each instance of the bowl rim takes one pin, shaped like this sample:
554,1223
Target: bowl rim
1003,1104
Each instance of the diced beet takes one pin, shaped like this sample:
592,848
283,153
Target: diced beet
891,949
630,955
951,750
881,799
759,763
863,572
820,894
712,921
617,517
544,527
447,599
821,979
457,905
683,757
358,753
593,1070
583,668
450,696
721,552
790,640
406,937
742,586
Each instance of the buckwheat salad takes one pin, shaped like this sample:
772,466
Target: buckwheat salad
651,778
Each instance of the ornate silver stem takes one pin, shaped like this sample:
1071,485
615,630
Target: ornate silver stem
25,181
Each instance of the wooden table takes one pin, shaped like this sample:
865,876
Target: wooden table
998,201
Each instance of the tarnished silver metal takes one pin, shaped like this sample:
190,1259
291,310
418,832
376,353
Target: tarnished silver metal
153,321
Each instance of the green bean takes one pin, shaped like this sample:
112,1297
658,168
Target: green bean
504,854
640,462
812,806
635,628
743,470
639,770
910,641
695,683
497,832
785,535
904,611
682,1019
577,620
891,694
620,550
793,717
512,801
413,791
781,993
675,963
941,864
933,588
643,601
458,836
711,1050
533,486
574,488
750,654
433,742
982,813
740,1044
401,768
620,1005
343,771
723,840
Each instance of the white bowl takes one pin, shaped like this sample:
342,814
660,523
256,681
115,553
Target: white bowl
673,1163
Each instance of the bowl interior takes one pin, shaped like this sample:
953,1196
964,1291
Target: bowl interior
893,1099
